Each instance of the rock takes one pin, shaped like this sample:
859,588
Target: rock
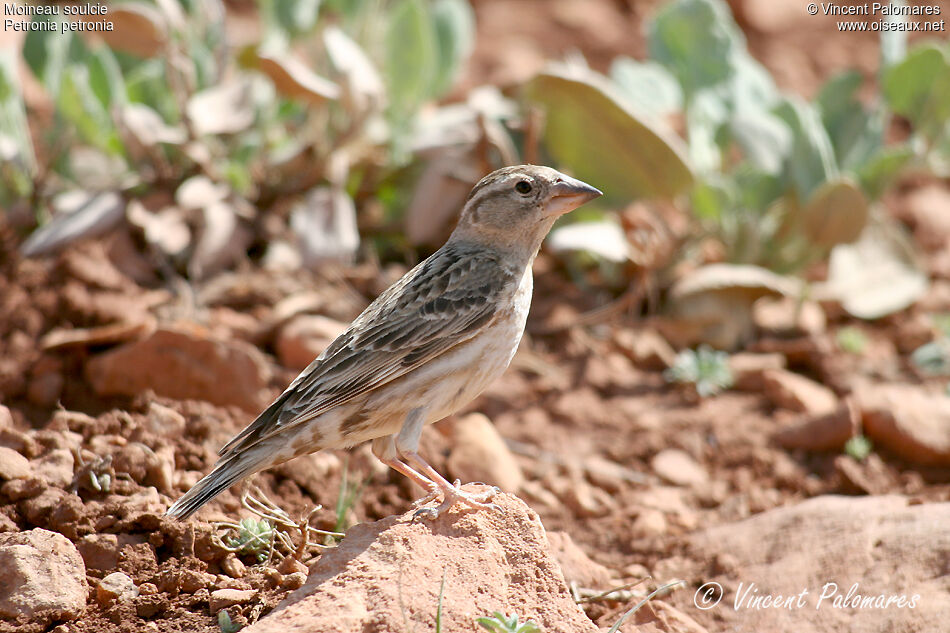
99,551
785,316
233,567
828,432
312,471
43,580
116,587
679,468
13,465
304,337
184,364
576,566
907,420
224,598
56,467
649,523
657,616
828,544
385,576
293,581
6,418
792,391
164,421
646,348
928,208
291,565
480,454
748,369
192,580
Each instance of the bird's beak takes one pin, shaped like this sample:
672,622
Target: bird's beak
569,193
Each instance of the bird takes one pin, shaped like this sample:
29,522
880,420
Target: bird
427,346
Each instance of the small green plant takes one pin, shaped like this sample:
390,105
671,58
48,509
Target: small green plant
851,340
500,623
438,607
226,624
706,368
349,494
933,358
858,447
254,537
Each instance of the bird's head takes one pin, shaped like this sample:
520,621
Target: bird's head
515,207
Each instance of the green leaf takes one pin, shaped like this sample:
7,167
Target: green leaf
289,19
592,132
918,88
48,52
17,159
877,174
855,132
812,160
454,25
105,77
411,63
649,87
696,40
80,106
764,138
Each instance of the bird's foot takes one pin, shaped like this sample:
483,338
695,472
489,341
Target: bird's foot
452,495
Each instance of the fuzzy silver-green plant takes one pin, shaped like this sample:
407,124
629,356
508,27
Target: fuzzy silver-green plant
501,623
707,369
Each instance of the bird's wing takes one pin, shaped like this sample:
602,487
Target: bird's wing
445,300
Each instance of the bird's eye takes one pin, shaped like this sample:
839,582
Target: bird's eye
523,187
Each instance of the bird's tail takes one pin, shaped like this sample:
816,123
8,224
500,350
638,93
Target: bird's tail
226,473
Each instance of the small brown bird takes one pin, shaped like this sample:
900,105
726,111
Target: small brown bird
423,349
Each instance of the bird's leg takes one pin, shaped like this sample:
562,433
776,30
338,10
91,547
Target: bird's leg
407,444
384,448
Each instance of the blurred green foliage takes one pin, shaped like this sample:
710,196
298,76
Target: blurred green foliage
705,368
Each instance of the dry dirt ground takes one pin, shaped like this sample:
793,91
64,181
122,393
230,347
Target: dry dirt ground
604,449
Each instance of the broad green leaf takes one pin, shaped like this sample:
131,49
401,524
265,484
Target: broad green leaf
288,18
454,25
751,86
411,57
80,106
696,40
855,132
601,140
712,199
877,174
13,121
47,53
894,40
649,87
704,119
918,88
835,214
812,160
105,77
764,138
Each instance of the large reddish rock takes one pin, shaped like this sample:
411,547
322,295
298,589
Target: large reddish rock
789,390
184,363
826,545
385,576
43,579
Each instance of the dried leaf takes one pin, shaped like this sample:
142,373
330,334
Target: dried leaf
325,223
875,276
221,242
439,196
166,229
138,29
148,127
364,85
198,192
293,79
592,131
835,214
713,304
80,215
605,239
223,109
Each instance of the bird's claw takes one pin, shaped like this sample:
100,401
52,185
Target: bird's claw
451,496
